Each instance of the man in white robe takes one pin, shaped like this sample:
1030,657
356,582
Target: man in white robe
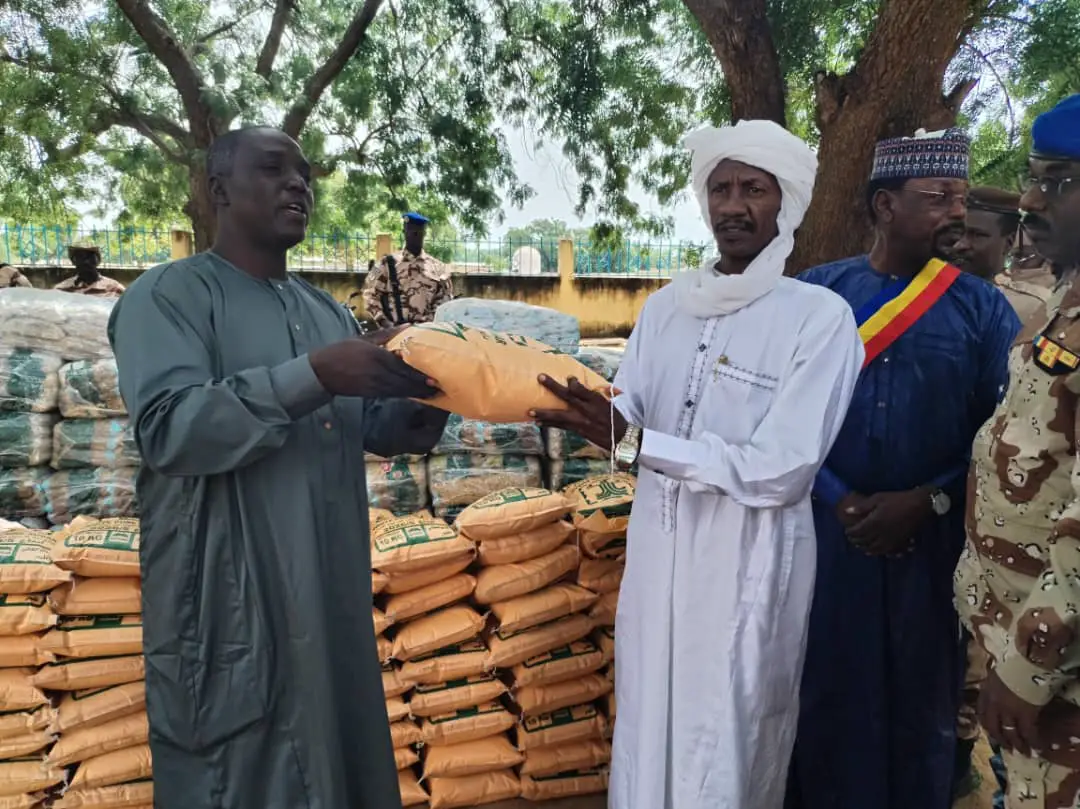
735,383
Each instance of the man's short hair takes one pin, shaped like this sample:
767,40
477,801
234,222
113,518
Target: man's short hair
221,156
998,201
881,184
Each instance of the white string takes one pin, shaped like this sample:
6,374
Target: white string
611,402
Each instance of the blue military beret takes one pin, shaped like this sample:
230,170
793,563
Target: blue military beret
412,216
1056,133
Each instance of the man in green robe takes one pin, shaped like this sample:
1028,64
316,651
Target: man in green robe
252,401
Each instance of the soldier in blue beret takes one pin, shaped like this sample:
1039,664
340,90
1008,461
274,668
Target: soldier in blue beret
1018,582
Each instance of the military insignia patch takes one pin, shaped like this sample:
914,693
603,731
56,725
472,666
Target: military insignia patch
1053,358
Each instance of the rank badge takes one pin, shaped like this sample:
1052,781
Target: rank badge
1053,358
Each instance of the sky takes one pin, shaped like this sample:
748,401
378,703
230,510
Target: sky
554,181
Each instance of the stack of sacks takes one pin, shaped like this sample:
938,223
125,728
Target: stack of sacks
93,447
27,719
601,515
97,644
475,458
573,459
459,480
28,401
420,562
397,485
526,552
38,330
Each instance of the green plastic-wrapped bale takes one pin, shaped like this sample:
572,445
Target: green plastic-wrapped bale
574,470
89,390
462,479
562,445
22,492
93,492
399,485
464,435
26,438
605,362
28,380
93,442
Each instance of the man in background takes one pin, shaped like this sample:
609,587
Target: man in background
88,279
884,662
408,286
1017,583
990,232
11,277
1029,280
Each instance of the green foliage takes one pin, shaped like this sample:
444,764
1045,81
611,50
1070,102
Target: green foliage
1029,55
91,115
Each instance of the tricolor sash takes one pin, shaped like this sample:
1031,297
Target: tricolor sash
895,309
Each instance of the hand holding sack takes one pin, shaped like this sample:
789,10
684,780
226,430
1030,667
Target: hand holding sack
486,375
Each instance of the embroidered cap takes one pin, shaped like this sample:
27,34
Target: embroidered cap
939,155
1056,133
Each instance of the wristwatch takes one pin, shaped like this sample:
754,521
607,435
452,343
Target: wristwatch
628,449
940,502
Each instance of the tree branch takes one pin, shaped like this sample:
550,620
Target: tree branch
283,10
322,78
163,44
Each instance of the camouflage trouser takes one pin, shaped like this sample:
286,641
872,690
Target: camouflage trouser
1035,783
967,722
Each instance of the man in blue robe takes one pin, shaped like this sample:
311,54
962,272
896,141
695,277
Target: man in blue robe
884,663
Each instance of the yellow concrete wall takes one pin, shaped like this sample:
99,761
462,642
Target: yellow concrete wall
606,306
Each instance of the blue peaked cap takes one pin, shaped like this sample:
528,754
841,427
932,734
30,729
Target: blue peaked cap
1056,133
412,216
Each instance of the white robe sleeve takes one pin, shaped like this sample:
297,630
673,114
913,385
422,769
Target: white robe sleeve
776,467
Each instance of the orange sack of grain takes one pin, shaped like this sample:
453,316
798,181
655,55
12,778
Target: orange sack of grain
486,375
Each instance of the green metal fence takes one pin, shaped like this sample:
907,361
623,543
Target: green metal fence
648,259
142,247
29,245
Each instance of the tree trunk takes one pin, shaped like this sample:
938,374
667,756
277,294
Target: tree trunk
893,90
200,208
739,33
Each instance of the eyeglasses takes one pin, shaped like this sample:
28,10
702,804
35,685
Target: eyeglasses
1049,186
942,199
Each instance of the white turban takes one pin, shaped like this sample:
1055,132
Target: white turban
769,147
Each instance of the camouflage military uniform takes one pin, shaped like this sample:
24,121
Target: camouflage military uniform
423,282
1018,580
103,287
1027,290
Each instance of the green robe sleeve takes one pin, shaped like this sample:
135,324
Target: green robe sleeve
187,421
400,427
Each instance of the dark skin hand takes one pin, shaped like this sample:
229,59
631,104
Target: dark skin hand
360,366
588,413
887,521
1006,718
